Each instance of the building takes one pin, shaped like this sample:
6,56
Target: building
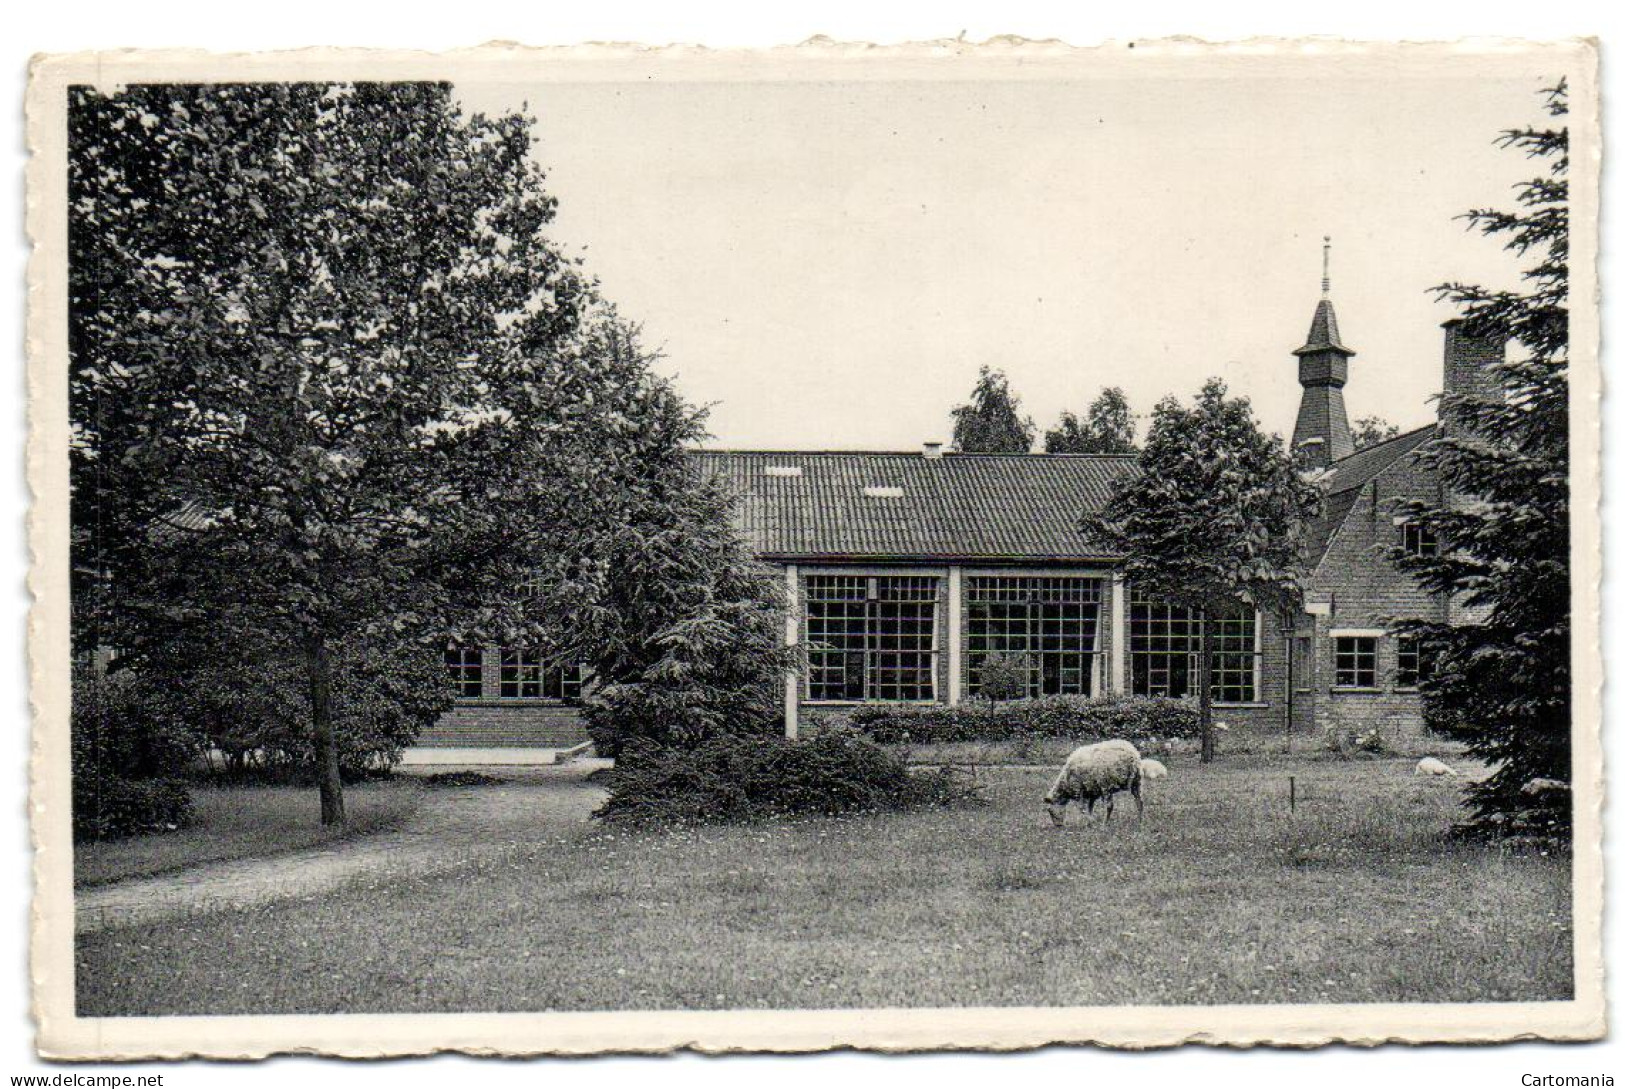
907,569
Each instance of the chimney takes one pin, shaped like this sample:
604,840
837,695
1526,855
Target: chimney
933,451
1467,362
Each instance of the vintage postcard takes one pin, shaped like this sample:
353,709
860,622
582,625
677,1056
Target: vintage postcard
956,546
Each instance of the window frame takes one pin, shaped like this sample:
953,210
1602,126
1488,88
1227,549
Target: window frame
1408,645
1042,620
1182,625
463,672
525,676
1358,654
873,634
1416,540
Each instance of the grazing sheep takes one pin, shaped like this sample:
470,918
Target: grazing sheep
1431,766
1544,788
1153,769
1094,772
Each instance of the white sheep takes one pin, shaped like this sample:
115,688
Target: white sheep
1430,766
1094,772
1544,788
1153,769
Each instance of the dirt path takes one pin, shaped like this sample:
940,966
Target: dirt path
454,826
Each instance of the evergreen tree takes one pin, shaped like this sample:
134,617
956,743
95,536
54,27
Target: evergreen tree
1500,676
992,422
1109,428
1217,514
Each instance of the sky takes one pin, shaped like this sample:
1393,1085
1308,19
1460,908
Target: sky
827,263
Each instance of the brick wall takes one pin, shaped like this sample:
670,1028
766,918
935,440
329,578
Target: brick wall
1359,587
505,724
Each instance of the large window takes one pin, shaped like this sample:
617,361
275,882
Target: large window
464,665
1049,625
1165,646
524,675
1355,661
871,637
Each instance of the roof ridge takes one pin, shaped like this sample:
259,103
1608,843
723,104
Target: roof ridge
1379,445
898,453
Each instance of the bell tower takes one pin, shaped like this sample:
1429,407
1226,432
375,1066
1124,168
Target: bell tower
1322,434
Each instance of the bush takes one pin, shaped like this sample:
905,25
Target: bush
1351,743
747,778
250,699
1132,718
1002,679
125,760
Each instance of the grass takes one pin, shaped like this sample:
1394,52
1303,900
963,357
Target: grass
1054,750
236,822
1221,896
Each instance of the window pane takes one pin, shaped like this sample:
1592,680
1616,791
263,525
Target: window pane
464,666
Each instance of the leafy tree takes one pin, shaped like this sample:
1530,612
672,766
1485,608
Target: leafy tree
1217,513
1500,677
1109,428
991,423
333,384
1370,430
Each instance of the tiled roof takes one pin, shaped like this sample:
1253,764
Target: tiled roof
1345,478
1025,507
1359,467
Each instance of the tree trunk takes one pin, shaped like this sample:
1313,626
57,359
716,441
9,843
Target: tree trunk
1204,687
320,670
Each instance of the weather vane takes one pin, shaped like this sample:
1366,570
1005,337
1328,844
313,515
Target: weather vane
1326,265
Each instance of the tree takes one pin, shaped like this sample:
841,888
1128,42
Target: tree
690,633
332,382
1216,513
1108,430
992,422
1002,677
1370,430
1500,677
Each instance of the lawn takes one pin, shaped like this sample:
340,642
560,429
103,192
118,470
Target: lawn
244,822
1223,895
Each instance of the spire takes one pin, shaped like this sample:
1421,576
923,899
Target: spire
1322,435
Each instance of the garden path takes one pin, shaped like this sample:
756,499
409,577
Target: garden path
454,827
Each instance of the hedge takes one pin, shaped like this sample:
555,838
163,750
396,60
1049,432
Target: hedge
733,778
1132,718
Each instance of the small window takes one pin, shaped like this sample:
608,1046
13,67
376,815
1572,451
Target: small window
1418,540
1410,663
1356,661
463,664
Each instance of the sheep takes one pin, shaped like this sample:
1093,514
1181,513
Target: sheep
1430,766
1544,788
1153,769
1094,772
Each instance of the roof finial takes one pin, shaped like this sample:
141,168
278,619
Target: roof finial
1326,266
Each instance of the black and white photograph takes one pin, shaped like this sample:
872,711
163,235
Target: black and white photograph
606,549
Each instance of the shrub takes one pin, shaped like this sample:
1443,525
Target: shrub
1133,718
249,698
1351,743
1002,678
125,760
746,778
